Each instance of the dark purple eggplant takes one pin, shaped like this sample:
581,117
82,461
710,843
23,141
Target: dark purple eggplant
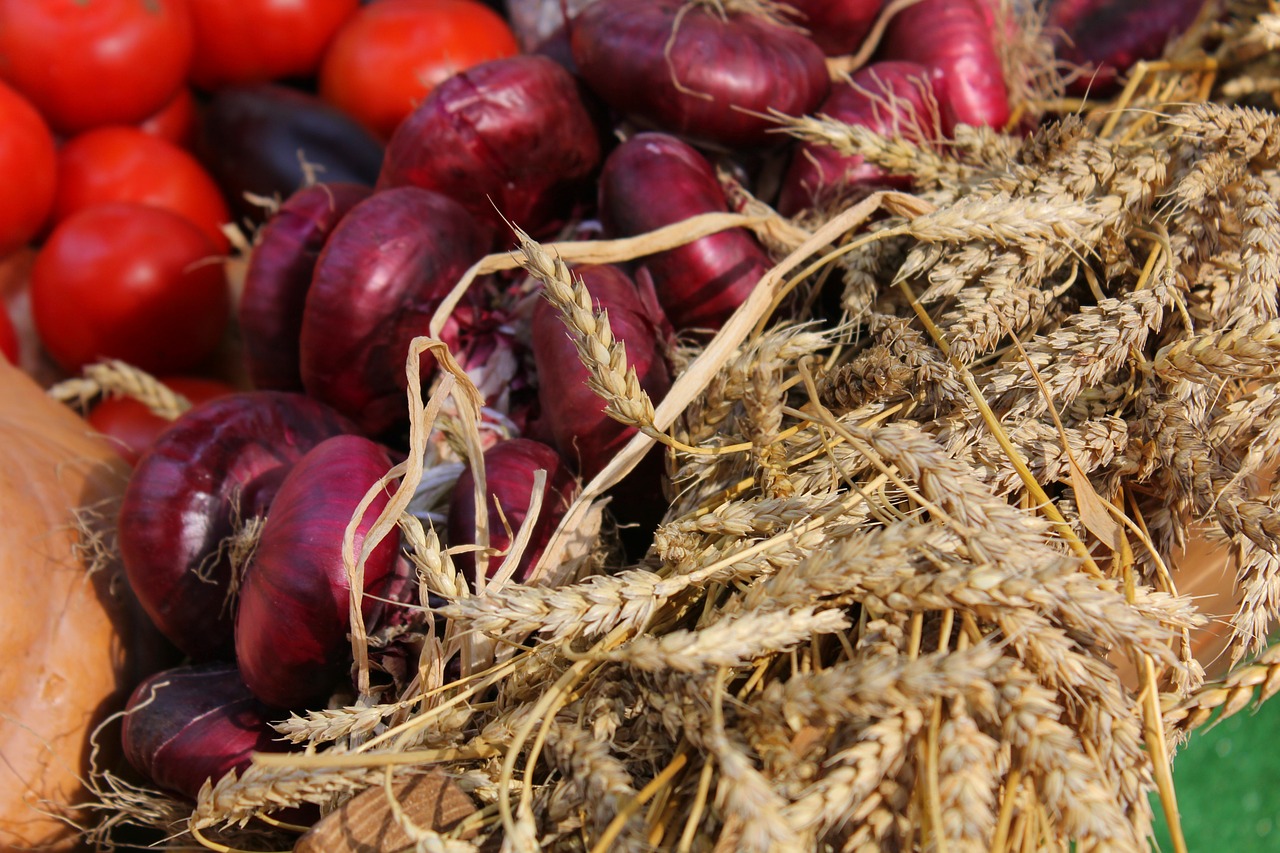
184,494
279,276
194,723
506,139
253,140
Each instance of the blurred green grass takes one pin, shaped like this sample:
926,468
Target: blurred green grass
1227,780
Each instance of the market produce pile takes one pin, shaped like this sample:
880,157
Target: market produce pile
842,408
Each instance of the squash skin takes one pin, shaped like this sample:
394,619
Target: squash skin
73,644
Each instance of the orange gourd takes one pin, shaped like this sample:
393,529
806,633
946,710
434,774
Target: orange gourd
70,640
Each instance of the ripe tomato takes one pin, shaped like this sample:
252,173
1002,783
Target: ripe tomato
28,165
8,336
131,282
132,426
127,164
174,122
390,55
85,63
255,41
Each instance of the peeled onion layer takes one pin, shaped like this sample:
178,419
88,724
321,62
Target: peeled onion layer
279,276
575,414
890,98
182,497
836,26
255,139
293,618
187,725
653,180
383,272
1106,37
506,139
686,69
509,468
956,41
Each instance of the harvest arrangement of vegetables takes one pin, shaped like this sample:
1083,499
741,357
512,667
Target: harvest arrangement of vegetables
678,424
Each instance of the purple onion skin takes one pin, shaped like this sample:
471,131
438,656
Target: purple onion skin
575,413
955,40
1106,37
181,498
726,68
837,26
383,272
194,723
279,275
508,138
251,137
293,619
509,467
891,98
653,180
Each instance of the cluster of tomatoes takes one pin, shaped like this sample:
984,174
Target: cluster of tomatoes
100,105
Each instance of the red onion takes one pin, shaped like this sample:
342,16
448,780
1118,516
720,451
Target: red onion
1106,37
891,98
689,70
279,275
955,40
179,505
836,26
654,180
509,138
382,274
293,619
194,723
574,412
509,467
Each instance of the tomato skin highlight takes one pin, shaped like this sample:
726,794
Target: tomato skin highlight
176,121
112,164
131,282
389,56
238,42
86,63
28,160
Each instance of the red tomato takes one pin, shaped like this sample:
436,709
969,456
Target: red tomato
132,426
28,165
254,41
131,282
176,120
390,55
85,63
8,336
127,164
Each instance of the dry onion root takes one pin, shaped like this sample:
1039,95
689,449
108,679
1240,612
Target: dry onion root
917,584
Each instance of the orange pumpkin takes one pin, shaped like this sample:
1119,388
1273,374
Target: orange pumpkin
68,639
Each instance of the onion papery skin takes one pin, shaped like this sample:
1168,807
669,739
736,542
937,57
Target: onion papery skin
506,139
654,179
575,414
293,620
251,138
836,26
279,276
890,98
509,467
955,40
383,272
182,497
1106,37
194,723
715,81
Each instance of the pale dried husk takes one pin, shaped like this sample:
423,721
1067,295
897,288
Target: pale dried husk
924,579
